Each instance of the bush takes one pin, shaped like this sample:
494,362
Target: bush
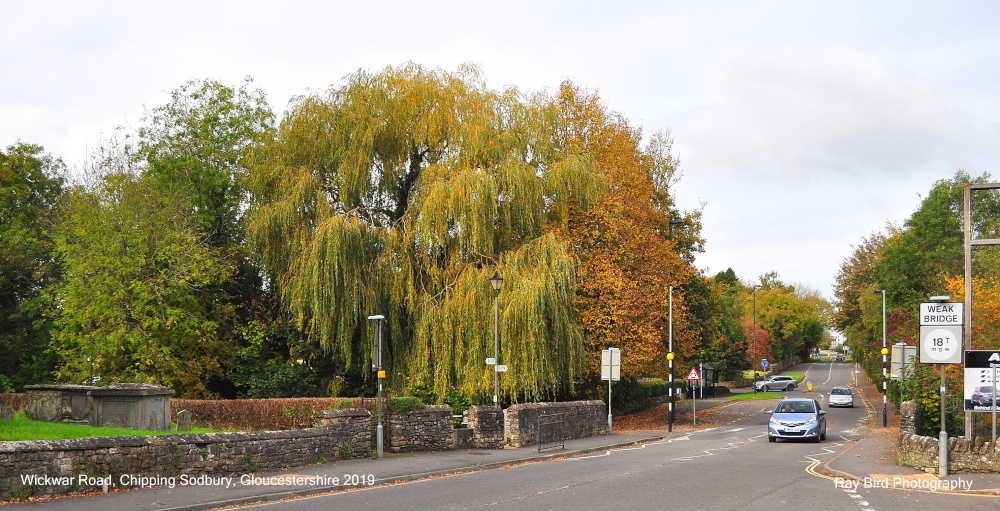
254,414
405,404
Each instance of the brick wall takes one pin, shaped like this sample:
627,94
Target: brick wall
215,454
921,452
583,419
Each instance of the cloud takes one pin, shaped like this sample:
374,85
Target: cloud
804,114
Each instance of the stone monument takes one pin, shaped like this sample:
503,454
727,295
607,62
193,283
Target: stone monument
132,405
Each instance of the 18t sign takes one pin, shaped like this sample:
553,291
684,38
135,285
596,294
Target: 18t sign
941,345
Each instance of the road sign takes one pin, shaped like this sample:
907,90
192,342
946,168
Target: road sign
501,368
982,370
764,363
942,313
902,361
693,374
941,344
490,361
611,364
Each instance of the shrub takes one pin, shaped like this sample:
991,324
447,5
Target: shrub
254,414
404,404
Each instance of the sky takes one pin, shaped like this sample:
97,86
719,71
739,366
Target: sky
802,127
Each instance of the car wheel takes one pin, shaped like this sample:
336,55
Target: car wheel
772,439
790,388
764,388
823,436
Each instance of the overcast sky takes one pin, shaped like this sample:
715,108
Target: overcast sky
801,126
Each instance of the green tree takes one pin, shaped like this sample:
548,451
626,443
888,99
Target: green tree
400,193
127,306
31,184
195,144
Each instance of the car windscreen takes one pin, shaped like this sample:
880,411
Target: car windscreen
795,407
841,392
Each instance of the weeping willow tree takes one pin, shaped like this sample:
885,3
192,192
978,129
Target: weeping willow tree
400,193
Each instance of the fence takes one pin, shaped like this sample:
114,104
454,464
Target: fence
551,431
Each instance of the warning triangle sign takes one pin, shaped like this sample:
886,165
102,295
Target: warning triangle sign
693,374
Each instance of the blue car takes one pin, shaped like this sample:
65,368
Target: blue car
797,418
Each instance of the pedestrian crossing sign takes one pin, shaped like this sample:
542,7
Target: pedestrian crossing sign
693,374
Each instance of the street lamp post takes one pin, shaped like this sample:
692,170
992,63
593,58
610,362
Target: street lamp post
377,366
754,367
670,354
496,281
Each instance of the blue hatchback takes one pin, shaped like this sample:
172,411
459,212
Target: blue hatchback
797,418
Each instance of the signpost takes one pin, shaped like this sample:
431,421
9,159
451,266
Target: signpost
693,375
941,343
611,370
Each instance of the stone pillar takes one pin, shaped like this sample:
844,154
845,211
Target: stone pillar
487,425
908,418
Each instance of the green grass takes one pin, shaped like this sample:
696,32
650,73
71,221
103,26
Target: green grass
746,396
23,428
798,376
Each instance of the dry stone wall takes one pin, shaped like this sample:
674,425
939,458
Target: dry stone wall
921,452
425,429
583,419
70,466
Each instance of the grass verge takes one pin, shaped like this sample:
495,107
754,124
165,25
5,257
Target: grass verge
23,428
747,396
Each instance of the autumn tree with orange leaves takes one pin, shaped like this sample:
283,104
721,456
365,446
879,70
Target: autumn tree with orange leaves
628,258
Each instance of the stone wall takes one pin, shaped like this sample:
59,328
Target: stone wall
487,425
921,452
425,429
215,454
583,419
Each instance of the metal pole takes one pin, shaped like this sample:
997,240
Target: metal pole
994,394
885,375
609,401
496,347
670,358
754,365
943,436
967,320
377,366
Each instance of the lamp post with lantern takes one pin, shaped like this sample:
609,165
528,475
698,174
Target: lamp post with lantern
496,282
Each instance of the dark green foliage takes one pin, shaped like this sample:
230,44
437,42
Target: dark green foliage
31,184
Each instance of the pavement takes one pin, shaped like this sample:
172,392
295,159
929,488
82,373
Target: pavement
872,456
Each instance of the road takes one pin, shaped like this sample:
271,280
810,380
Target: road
731,467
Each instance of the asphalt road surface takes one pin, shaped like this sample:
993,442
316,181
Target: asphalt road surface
731,467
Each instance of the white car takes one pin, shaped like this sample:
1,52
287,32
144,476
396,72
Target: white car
841,396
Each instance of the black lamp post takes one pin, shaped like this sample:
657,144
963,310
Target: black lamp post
496,281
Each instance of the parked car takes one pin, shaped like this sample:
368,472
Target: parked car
841,396
775,382
983,395
797,418
840,357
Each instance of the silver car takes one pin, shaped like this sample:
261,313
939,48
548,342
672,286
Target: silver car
797,418
775,382
841,396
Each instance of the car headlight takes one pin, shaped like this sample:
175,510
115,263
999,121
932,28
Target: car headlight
811,421
774,421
